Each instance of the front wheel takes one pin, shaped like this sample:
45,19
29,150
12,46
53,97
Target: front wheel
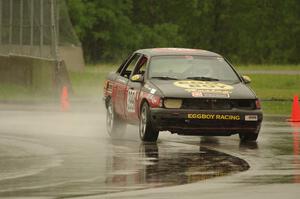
250,136
114,125
147,131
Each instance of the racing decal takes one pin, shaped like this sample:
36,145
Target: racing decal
220,59
202,85
197,94
108,87
131,99
251,118
152,91
121,80
153,100
202,116
204,88
177,50
147,86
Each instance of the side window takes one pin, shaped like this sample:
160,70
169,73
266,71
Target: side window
141,66
123,64
130,66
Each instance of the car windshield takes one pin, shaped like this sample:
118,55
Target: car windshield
191,67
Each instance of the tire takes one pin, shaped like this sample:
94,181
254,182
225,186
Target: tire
249,136
115,127
147,131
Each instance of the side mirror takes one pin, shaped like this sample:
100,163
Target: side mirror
137,78
246,79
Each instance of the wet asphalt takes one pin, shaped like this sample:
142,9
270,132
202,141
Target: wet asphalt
48,153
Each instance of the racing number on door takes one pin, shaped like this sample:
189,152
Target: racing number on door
131,100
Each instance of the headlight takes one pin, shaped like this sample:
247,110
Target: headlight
172,103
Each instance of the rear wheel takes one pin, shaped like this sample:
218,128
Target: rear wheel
249,136
147,131
115,127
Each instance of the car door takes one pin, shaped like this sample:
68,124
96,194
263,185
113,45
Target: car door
121,85
133,91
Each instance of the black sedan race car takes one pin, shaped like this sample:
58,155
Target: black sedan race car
184,91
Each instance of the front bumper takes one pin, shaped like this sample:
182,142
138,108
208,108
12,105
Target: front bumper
206,122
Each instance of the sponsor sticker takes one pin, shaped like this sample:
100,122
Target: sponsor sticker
189,57
251,118
147,86
131,95
220,59
205,89
203,116
121,80
216,95
197,94
176,50
152,91
202,85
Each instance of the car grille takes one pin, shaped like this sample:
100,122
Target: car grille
218,104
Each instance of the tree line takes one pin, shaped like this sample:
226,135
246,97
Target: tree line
244,31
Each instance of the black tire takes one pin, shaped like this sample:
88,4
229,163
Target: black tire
115,127
249,136
147,131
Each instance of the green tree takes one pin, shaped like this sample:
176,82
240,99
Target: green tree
245,31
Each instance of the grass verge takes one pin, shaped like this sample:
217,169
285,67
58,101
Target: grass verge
21,93
276,107
267,67
89,83
269,86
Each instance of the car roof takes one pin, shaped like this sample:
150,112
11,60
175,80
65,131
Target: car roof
176,51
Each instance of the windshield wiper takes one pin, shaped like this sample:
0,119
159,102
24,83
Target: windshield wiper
203,78
165,78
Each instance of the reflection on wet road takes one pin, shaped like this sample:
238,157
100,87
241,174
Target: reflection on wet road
36,170
274,159
168,164
69,154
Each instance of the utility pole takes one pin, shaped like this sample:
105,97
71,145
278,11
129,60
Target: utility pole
54,41
41,27
31,25
10,23
1,11
21,24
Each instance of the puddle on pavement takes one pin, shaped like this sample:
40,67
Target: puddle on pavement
278,155
130,165
107,166
163,165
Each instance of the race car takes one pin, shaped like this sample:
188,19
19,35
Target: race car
183,91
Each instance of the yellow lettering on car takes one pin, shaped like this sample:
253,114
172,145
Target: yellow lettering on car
203,116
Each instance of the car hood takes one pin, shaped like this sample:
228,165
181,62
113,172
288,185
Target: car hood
202,89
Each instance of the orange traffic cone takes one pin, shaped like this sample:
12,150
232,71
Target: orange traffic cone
64,99
295,116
